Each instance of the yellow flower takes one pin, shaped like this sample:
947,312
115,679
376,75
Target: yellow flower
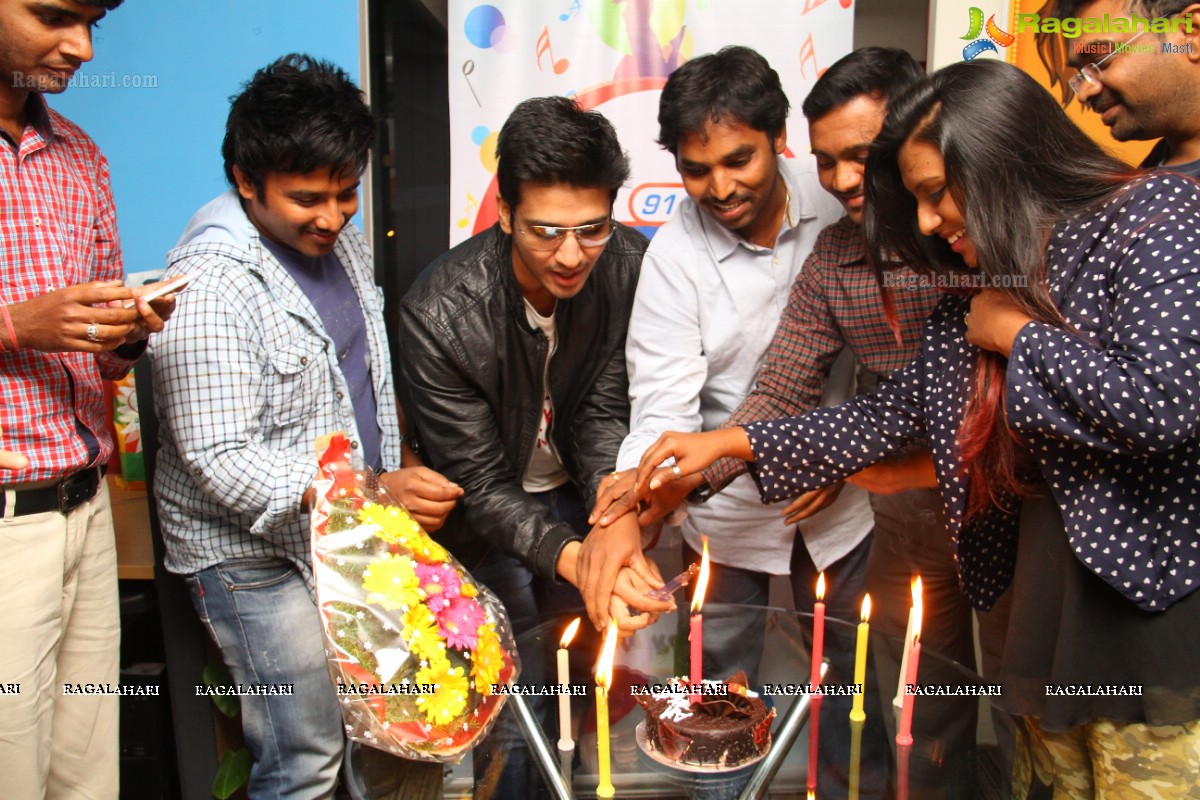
396,526
468,590
426,550
394,523
421,628
487,660
449,698
392,582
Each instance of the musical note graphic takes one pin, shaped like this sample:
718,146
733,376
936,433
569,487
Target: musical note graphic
467,68
543,47
808,52
471,205
570,12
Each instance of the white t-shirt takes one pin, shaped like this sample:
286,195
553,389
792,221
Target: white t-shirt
545,471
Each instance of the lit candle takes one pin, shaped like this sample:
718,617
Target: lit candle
855,757
696,631
814,733
818,647
904,735
604,671
565,741
913,613
860,661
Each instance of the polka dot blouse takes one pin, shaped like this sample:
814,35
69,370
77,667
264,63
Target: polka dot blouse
1110,410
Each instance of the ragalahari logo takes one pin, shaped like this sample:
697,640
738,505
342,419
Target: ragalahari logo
995,36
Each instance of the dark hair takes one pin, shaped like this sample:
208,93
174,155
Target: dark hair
1015,165
297,115
1052,47
734,84
881,73
549,140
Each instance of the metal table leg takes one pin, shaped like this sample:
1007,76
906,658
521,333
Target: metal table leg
541,748
789,728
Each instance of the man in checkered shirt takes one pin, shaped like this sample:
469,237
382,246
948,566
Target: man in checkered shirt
278,340
63,330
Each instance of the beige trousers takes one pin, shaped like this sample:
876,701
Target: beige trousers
59,625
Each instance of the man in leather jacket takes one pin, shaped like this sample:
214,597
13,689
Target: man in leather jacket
512,347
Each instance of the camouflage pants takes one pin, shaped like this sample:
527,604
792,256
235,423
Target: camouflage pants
1110,761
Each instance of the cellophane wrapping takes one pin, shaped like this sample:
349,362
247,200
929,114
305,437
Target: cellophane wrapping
414,645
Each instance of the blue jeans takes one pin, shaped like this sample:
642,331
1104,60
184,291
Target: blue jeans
261,615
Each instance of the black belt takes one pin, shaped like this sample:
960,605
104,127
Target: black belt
62,496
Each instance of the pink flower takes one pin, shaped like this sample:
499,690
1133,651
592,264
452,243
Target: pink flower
459,622
441,584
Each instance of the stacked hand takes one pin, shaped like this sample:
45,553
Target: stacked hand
614,575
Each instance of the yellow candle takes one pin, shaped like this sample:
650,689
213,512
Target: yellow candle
603,681
565,742
860,662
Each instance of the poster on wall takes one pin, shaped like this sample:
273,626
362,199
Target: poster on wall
614,56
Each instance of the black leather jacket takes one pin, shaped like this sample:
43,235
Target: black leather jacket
472,372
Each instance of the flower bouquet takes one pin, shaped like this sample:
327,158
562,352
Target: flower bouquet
415,647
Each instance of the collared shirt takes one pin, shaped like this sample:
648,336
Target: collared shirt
706,309
836,302
246,379
58,228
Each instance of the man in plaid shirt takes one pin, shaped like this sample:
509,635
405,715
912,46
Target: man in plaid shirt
64,329
279,339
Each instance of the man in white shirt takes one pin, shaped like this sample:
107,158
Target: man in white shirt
714,282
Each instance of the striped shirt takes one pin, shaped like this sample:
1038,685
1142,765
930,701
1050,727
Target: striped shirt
58,228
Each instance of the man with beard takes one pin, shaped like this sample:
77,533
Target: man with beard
1138,95
713,285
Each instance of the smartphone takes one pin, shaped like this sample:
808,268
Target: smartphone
174,286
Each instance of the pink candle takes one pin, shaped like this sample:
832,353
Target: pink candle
902,754
818,647
904,735
696,630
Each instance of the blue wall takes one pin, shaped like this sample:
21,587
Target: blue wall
164,143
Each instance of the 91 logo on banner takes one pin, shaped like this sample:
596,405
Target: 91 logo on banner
655,203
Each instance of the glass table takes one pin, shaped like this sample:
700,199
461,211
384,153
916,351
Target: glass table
773,647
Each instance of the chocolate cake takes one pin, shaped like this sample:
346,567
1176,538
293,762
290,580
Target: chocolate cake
723,727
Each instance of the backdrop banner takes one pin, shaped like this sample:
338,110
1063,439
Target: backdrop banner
615,56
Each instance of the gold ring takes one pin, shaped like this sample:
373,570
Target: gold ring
616,476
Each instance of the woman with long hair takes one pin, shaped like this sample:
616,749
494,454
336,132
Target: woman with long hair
1059,387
